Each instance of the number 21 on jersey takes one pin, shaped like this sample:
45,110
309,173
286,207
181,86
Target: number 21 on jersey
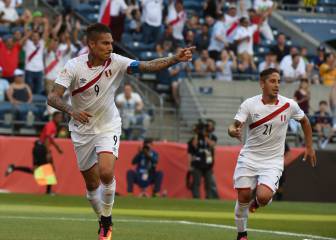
268,129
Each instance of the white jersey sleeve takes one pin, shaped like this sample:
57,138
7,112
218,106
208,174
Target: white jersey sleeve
243,112
67,75
296,111
124,62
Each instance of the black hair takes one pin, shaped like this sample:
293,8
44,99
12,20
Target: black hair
323,102
55,114
96,28
264,74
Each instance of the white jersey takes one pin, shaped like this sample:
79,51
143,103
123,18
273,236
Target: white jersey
92,89
267,128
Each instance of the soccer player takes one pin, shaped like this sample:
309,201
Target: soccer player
261,160
95,123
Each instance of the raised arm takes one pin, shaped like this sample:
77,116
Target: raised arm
309,151
159,64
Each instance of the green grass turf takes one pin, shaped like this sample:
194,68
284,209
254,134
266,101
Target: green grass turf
62,217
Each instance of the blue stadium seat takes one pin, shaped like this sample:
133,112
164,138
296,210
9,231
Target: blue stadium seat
148,55
4,30
85,9
92,17
196,6
137,47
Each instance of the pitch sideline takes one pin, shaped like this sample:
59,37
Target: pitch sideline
173,222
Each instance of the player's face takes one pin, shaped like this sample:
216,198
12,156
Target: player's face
271,85
102,47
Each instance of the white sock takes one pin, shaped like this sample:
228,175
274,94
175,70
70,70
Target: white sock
107,197
241,215
94,199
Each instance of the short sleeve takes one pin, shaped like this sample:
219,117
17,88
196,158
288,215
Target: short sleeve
296,111
124,62
238,34
67,75
243,112
137,98
120,98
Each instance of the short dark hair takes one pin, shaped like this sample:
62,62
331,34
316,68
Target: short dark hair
323,102
264,74
54,115
96,28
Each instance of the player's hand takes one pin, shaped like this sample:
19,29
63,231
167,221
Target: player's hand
236,132
310,154
185,54
82,117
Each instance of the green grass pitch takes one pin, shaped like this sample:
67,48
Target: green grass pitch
37,217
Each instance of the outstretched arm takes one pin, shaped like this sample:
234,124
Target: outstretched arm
159,64
309,151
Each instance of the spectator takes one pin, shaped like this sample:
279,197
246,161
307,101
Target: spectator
320,57
280,49
332,101
269,62
4,105
201,148
302,95
218,38
231,23
52,63
8,14
287,61
244,37
322,122
117,18
255,19
204,65
189,39
305,58
213,8
177,18
135,22
177,73
132,112
202,39
152,18
192,24
34,49
264,9
167,41
246,67
328,70
293,72
9,60
145,173
20,96
225,65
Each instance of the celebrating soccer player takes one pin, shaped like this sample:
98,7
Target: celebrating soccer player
95,123
261,160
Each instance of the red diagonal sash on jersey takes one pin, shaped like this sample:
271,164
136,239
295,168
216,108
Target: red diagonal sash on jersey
30,57
93,81
270,116
50,66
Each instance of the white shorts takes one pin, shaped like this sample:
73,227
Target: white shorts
88,146
245,177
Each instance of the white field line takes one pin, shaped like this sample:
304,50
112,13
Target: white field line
172,222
